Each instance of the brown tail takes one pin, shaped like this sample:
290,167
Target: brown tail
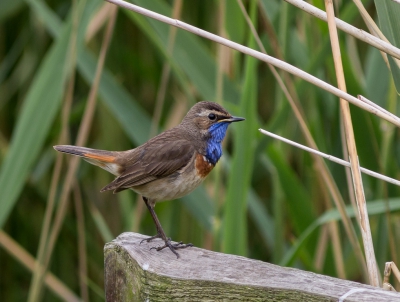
102,158
100,155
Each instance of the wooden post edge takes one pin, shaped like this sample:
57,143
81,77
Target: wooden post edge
133,272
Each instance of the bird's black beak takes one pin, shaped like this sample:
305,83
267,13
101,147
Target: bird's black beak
232,119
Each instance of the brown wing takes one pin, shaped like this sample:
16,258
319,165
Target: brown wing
157,158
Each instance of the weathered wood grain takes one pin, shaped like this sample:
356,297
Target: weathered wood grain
133,272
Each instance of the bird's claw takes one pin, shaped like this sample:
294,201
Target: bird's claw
172,246
152,238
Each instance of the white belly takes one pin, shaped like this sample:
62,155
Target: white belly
172,187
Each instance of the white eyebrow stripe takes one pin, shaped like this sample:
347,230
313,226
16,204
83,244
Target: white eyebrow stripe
220,115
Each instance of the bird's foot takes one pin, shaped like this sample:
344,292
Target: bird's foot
152,238
173,246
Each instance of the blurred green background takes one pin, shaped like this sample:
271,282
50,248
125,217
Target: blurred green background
265,200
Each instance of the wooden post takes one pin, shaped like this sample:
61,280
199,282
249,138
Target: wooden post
133,272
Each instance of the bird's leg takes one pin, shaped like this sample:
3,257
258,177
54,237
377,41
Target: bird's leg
161,233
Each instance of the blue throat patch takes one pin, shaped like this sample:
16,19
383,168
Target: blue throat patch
214,149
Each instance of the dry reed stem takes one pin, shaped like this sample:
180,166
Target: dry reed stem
333,228
355,169
219,94
54,182
349,181
331,158
82,255
22,256
337,249
97,22
222,62
272,37
166,71
66,108
260,56
374,29
288,81
298,111
322,245
82,136
365,100
379,42
391,267
387,141
34,290
323,169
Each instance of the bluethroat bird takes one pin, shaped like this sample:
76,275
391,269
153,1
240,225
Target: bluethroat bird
168,166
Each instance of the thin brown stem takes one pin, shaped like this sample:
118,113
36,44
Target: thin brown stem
319,163
322,246
37,278
166,71
82,136
375,39
82,255
262,57
27,260
353,157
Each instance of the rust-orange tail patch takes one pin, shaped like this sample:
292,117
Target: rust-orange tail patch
102,158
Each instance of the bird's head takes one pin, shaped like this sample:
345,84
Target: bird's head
209,121
208,118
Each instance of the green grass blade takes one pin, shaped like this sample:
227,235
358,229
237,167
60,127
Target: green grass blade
376,207
278,204
201,206
9,8
13,55
39,109
134,120
45,14
100,222
263,220
395,70
190,54
299,206
389,21
38,112
376,77
235,209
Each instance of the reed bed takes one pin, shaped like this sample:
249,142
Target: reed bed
102,75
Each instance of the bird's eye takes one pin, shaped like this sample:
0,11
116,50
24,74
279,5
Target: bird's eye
212,116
